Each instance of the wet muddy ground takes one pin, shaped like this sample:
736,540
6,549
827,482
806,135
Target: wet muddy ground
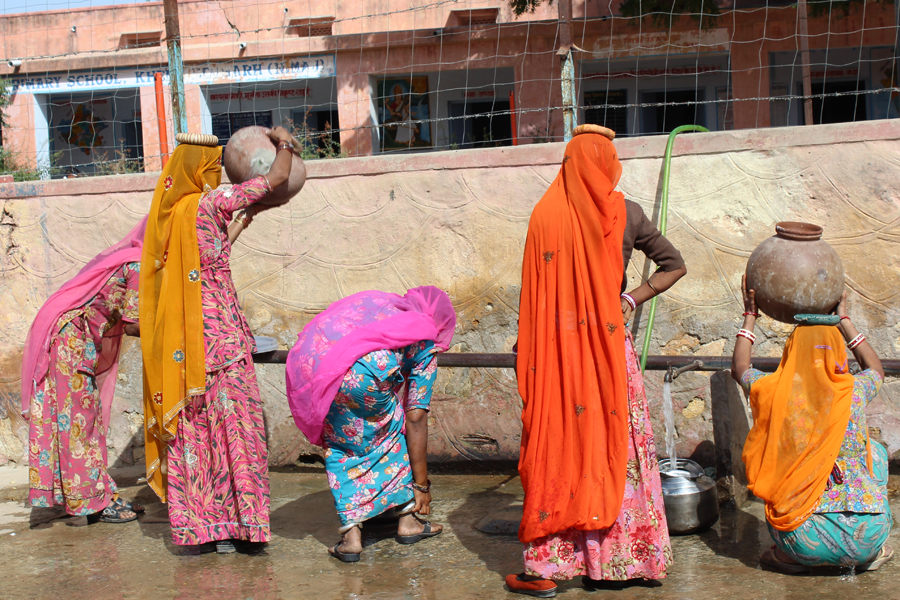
45,555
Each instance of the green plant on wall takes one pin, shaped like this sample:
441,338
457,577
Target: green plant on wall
841,8
316,144
11,163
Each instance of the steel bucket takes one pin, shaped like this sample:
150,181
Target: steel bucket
691,498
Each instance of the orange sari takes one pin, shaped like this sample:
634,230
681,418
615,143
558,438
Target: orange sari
571,357
800,416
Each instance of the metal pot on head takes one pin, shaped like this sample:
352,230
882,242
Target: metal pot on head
691,498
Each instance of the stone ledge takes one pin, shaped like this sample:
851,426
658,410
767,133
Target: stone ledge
509,156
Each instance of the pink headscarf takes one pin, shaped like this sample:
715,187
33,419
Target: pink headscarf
76,292
348,330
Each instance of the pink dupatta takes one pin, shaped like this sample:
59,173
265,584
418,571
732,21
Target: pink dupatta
348,330
76,292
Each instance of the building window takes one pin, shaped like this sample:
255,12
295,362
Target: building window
836,109
479,127
311,27
305,107
146,39
676,108
470,18
96,133
607,109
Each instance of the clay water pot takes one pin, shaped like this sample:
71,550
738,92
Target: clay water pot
250,153
795,272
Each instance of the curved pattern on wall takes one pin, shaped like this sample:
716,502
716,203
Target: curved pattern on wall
462,228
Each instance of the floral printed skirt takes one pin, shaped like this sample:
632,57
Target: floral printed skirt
67,436
637,545
841,538
218,463
365,449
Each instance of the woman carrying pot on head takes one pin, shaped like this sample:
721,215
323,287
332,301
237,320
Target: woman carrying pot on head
808,455
206,445
69,379
359,383
593,498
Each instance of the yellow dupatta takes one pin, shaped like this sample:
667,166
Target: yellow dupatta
171,313
800,416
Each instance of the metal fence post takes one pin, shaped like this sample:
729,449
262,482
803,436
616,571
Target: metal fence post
176,65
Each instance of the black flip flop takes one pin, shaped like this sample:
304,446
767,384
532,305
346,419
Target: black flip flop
133,506
347,557
412,539
113,514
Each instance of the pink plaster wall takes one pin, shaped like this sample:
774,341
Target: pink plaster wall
415,38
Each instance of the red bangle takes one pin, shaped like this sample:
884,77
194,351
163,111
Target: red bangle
750,314
845,317
284,146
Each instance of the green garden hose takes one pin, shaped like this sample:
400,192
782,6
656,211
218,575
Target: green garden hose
663,214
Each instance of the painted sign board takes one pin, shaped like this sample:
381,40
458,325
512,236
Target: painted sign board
248,71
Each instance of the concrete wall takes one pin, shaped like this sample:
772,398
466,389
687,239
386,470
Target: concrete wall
458,220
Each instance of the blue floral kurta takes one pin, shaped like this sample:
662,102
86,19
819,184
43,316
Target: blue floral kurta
365,447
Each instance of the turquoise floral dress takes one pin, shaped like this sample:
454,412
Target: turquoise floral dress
365,447
853,518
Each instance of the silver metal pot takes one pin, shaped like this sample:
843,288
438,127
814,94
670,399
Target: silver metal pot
691,499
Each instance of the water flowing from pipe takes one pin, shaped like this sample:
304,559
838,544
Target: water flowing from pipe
669,414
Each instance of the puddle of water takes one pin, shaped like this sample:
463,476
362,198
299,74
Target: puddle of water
848,574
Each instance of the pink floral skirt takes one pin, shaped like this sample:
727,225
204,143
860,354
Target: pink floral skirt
637,545
218,467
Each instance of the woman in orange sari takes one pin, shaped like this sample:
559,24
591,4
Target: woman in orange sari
809,456
593,500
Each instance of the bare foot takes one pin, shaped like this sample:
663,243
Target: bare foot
352,541
411,525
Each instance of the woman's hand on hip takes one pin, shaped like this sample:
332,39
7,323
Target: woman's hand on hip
627,311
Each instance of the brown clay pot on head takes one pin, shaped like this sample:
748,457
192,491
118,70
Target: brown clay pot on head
250,153
795,272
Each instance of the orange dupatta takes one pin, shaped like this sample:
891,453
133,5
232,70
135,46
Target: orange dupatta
571,356
800,416
171,312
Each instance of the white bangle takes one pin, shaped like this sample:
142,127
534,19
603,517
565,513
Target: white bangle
744,333
630,301
855,342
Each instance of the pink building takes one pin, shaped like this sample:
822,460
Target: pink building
424,74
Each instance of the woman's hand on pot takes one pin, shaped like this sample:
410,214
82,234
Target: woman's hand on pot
749,296
423,503
280,134
841,309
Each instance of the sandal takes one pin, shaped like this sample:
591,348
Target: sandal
225,547
539,588
113,513
412,539
347,557
133,506
885,554
770,560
